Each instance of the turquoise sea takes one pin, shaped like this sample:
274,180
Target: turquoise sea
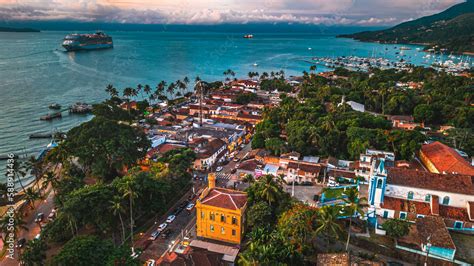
35,71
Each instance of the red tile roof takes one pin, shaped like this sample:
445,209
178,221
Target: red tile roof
454,213
434,228
409,206
446,159
454,183
225,198
341,173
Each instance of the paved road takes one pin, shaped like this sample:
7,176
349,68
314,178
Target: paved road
42,206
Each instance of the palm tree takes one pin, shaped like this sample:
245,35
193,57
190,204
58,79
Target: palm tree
147,89
354,205
270,189
18,224
248,178
128,191
327,222
139,89
35,167
117,208
31,196
50,178
171,88
109,88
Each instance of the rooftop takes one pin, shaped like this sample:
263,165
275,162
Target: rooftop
446,159
225,198
433,227
454,183
332,259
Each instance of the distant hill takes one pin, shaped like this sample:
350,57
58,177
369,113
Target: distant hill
452,29
8,29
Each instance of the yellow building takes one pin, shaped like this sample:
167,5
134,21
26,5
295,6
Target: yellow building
220,213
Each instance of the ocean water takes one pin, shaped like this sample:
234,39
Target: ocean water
35,71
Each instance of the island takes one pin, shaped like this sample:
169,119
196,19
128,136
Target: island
10,29
449,31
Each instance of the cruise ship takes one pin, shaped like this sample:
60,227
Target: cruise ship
98,40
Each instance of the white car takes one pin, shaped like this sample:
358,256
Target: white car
154,235
219,168
170,219
333,183
150,262
162,226
190,206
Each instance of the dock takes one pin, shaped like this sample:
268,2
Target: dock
80,108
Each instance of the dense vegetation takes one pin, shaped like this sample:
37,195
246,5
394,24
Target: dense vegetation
316,123
103,194
282,231
452,29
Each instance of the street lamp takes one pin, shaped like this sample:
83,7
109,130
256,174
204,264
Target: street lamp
428,246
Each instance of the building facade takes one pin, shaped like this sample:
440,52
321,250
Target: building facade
220,213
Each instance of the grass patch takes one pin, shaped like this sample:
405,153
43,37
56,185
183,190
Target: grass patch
333,193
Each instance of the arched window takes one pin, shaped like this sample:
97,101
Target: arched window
446,200
427,197
379,183
410,195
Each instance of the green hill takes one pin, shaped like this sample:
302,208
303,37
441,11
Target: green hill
452,29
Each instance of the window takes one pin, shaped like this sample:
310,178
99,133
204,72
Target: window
222,218
403,215
385,214
212,228
410,195
202,214
233,232
234,220
428,197
458,225
222,230
211,216
446,200
379,183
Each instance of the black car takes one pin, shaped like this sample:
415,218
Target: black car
20,243
184,204
177,211
165,234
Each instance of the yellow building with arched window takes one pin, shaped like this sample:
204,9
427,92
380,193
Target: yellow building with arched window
220,213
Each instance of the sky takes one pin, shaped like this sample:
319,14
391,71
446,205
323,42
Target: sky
209,12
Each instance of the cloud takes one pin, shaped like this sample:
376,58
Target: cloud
329,12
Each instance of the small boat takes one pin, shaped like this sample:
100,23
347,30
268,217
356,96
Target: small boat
51,116
405,48
255,64
55,106
248,36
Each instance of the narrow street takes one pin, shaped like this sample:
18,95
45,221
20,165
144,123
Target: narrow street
184,224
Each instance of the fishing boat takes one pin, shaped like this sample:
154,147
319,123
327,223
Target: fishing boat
51,116
55,106
248,36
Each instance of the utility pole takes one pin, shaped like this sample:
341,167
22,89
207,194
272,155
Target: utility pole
428,246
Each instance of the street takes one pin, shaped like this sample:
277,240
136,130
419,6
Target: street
184,224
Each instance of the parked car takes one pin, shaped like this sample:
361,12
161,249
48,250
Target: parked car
39,217
332,183
51,216
236,159
170,219
20,243
162,226
219,168
166,233
190,206
183,204
177,211
154,235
